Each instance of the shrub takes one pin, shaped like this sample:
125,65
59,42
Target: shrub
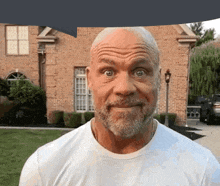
157,117
17,116
66,118
5,107
171,118
56,117
24,92
29,97
191,99
4,88
88,116
75,120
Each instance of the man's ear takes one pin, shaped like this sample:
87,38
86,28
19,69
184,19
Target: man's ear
88,76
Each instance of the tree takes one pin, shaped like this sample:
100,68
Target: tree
205,34
197,28
205,69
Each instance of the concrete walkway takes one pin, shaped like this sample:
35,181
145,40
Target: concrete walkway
212,139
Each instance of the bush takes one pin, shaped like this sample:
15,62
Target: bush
56,117
88,116
4,88
75,120
191,99
29,101
24,92
66,118
157,117
171,118
5,107
17,116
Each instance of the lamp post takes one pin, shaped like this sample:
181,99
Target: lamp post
167,79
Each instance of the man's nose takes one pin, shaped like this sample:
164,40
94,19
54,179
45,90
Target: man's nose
124,85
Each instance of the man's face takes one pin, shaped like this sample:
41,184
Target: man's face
122,80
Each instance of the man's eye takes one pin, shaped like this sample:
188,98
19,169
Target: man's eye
139,73
109,72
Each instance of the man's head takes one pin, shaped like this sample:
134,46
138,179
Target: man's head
124,79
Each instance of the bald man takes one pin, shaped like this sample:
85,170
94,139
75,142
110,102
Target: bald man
122,144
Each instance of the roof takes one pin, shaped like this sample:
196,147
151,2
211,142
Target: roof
186,35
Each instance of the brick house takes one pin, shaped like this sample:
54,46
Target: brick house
56,61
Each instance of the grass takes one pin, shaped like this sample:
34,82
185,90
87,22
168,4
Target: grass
16,146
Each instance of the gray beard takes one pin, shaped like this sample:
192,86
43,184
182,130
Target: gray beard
126,124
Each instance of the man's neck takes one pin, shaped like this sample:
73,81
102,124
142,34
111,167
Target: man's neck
118,145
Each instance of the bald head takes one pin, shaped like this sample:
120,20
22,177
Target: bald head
142,35
123,75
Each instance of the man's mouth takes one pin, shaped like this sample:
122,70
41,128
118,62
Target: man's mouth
125,106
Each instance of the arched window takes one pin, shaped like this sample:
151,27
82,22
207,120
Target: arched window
16,76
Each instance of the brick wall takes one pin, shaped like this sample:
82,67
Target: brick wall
70,52
174,56
25,64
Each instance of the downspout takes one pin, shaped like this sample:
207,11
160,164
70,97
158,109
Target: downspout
41,58
187,97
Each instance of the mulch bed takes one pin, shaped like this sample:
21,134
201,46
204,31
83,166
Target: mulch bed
184,131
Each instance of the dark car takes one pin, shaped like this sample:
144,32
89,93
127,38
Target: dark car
210,109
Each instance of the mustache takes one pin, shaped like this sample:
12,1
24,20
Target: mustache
126,102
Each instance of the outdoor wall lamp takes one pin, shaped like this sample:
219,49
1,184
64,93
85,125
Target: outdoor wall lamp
167,79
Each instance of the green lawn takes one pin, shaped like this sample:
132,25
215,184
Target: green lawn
15,148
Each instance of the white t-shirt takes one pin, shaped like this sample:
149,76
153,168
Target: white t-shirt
77,159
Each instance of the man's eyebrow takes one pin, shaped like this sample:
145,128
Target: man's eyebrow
133,62
140,61
108,61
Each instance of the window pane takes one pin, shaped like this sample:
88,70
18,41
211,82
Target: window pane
23,32
80,71
23,47
80,90
90,103
11,32
12,47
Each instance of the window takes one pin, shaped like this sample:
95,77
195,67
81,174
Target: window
17,40
83,96
16,76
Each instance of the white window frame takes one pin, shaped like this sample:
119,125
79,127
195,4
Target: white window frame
86,94
18,40
15,76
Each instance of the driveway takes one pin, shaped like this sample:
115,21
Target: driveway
212,139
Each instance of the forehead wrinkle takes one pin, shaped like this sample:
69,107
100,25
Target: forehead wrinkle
142,57
134,62
143,36
111,50
104,60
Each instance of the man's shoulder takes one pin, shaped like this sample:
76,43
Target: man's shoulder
64,144
48,160
180,143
